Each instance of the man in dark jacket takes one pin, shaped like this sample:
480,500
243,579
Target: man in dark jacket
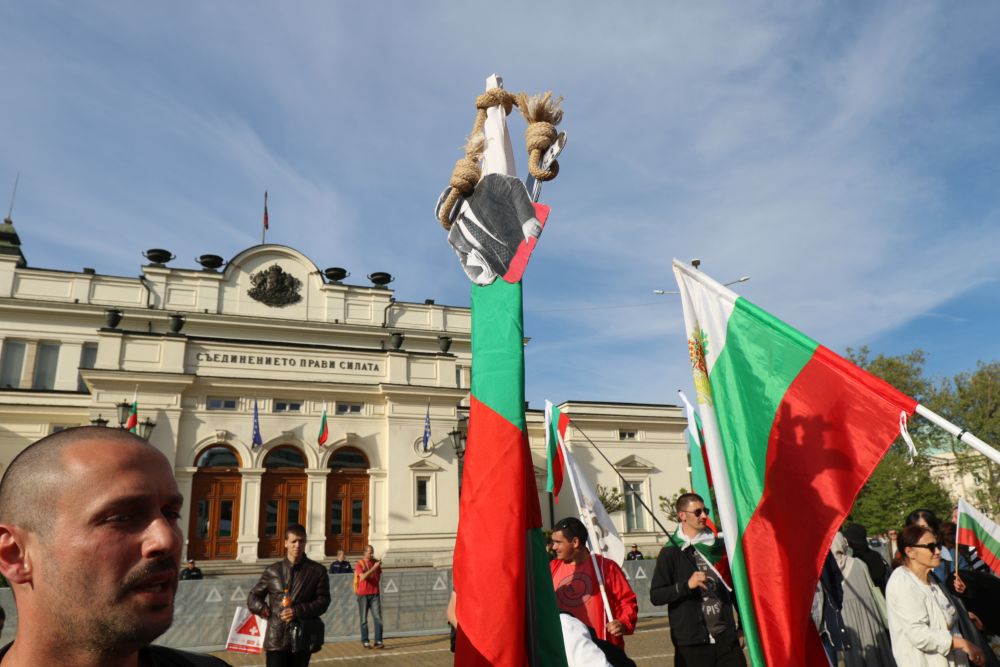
702,623
293,588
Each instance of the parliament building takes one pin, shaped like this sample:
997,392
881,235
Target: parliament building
268,339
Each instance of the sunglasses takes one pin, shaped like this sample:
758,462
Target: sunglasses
698,512
930,546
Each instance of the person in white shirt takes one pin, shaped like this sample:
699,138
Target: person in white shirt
923,623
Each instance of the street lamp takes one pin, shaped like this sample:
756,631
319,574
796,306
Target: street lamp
458,444
99,420
144,429
124,409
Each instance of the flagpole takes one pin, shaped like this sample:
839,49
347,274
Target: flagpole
586,524
263,230
960,433
666,532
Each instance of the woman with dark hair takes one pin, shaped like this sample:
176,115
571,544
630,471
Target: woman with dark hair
923,621
928,519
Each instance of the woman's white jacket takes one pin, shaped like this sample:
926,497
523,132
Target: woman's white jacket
918,627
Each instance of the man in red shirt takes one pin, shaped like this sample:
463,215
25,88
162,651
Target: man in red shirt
367,574
577,589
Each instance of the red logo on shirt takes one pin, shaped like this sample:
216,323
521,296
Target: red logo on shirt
574,590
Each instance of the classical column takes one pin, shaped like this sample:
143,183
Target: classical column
185,478
249,537
316,513
378,509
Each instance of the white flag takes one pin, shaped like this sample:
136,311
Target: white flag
603,537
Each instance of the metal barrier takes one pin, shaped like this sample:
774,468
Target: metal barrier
413,603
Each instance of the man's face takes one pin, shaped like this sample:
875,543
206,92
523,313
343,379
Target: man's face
369,553
294,546
106,572
694,515
190,565
564,547
340,555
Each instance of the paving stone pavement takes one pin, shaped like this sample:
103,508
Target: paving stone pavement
650,645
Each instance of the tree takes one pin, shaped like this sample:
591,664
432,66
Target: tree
611,498
896,488
972,401
667,505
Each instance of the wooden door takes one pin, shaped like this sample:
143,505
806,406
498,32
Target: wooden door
282,503
346,511
215,512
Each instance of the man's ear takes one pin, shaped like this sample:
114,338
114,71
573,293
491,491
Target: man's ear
14,563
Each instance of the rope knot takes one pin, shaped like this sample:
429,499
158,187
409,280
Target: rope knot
496,97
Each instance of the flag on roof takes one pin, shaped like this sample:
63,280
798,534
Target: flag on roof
793,432
975,530
324,432
427,426
256,440
132,423
555,434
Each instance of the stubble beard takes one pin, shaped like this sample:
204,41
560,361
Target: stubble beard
116,627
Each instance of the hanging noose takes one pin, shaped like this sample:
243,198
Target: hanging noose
542,113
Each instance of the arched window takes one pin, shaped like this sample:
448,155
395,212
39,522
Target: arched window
218,456
284,457
349,457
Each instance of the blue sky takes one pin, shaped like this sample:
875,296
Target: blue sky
844,155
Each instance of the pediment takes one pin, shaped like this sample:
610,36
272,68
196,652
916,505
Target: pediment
425,466
633,462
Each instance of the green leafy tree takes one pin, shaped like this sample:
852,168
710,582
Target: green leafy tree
897,486
972,401
611,498
895,489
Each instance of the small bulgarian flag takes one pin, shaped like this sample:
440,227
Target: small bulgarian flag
975,530
555,434
133,416
701,475
793,432
324,432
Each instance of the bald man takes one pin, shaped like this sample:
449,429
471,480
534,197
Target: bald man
90,543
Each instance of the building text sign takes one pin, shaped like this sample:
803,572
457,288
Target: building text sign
309,362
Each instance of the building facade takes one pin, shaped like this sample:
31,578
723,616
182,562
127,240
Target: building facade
268,338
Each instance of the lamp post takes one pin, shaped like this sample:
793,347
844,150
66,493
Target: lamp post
99,420
123,408
696,263
144,429
458,444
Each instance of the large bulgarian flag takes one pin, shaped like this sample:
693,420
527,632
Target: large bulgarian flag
793,432
506,605
975,530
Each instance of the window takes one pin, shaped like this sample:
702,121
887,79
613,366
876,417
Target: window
221,403
626,435
284,457
423,494
11,364
218,457
88,359
46,360
348,409
635,517
287,406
